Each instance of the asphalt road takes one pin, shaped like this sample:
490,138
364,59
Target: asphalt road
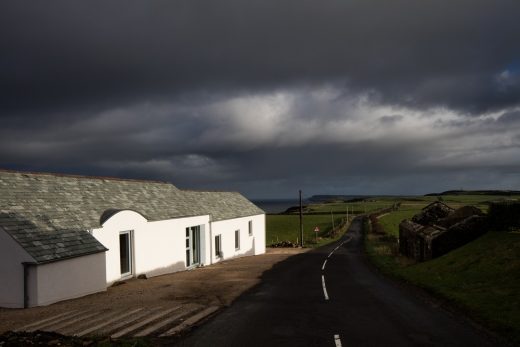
290,308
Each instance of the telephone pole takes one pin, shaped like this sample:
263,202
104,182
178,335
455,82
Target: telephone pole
301,220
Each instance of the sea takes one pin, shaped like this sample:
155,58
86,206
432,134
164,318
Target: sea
272,206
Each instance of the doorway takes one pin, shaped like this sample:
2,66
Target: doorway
125,253
193,246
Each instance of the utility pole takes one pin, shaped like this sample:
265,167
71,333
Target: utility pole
301,220
332,219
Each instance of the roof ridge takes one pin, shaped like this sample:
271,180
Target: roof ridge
209,191
57,174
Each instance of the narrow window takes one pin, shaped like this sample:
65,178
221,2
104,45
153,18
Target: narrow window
250,226
237,239
218,246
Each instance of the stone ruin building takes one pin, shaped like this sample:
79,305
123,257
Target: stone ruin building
438,229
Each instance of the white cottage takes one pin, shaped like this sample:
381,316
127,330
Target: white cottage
64,236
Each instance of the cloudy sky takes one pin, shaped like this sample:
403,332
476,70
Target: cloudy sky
265,97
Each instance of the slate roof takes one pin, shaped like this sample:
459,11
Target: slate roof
49,215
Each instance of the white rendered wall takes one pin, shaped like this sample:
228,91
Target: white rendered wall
12,255
158,247
249,245
69,278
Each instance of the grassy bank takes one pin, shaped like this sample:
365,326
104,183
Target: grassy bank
482,277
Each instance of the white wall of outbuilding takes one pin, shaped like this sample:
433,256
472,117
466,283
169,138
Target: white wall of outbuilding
66,279
46,283
12,255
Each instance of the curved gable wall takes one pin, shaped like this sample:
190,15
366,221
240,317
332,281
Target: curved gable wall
159,247
122,218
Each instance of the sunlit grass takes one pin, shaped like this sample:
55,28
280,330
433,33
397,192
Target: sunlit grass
287,228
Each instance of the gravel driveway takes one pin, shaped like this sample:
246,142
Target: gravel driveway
158,305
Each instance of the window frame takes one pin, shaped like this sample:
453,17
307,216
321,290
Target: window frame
218,246
237,239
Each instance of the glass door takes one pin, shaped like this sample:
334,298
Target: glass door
192,246
125,253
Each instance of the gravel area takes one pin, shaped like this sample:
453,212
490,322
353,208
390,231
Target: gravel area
215,285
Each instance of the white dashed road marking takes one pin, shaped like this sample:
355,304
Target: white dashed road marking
325,263
324,287
337,340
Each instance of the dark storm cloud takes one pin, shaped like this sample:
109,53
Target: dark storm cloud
60,54
390,120
265,96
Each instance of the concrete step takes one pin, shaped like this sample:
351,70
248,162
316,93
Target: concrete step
165,322
96,327
142,323
45,326
44,321
116,323
113,327
59,327
191,321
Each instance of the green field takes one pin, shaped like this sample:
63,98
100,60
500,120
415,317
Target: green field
356,207
390,222
287,228
482,277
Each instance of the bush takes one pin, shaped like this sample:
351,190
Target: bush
504,215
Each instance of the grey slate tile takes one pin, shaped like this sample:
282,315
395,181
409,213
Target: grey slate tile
49,215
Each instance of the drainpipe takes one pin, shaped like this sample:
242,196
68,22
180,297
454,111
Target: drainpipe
26,266
210,242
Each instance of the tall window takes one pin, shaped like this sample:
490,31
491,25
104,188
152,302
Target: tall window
237,239
250,228
218,246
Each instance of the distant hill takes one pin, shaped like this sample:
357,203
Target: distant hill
477,192
334,198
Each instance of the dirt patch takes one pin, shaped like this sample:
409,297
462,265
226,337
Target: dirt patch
41,338
217,285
